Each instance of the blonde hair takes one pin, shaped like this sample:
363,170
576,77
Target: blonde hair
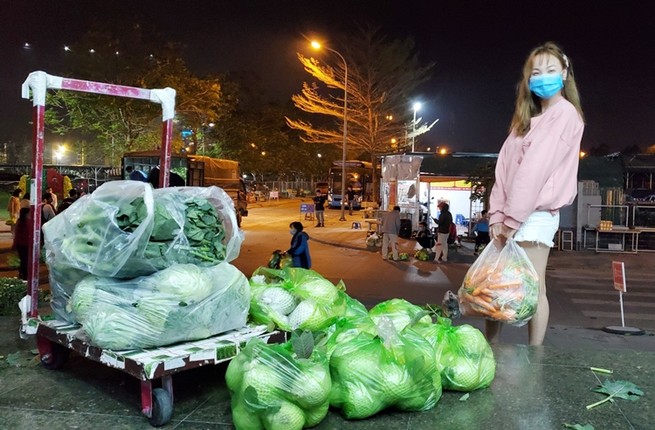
527,104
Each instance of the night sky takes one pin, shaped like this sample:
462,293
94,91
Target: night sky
478,46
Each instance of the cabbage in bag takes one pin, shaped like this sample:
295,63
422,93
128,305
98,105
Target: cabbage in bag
126,229
280,386
371,372
295,298
463,355
181,303
501,285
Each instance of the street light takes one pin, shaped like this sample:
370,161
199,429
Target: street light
317,45
416,108
58,153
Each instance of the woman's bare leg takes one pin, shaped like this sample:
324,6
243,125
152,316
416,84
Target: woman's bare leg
538,255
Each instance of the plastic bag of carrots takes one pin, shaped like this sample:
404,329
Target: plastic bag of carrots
501,285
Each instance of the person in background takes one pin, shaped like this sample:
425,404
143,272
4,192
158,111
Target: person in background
443,229
241,206
72,196
55,201
481,230
48,211
537,168
135,175
174,180
13,208
424,236
390,227
22,241
319,208
350,198
299,250
25,201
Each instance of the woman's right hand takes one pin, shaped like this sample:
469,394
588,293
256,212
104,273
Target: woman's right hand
496,230
501,232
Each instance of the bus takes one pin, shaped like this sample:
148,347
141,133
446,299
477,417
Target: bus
359,175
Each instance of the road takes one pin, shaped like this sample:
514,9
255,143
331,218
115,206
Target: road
580,291
366,276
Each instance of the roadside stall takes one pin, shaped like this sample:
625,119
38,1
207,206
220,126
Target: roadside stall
134,271
400,185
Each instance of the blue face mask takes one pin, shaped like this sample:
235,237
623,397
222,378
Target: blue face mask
546,86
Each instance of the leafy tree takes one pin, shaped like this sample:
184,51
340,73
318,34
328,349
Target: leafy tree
381,76
125,56
482,180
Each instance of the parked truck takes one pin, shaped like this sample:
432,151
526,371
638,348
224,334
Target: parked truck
194,170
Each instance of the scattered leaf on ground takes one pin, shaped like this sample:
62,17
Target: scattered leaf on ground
579,426
619,389
465,397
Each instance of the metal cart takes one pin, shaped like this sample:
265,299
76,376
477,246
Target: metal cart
55,339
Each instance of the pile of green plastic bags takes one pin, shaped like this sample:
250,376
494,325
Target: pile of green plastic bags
360,361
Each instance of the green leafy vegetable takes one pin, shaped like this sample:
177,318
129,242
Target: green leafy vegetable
616,389
303,343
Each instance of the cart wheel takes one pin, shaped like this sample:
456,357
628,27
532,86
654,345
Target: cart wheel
55,357
162,407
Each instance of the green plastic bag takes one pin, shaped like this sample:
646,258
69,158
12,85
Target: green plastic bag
401,312
371,372
295,298
279,386
463,356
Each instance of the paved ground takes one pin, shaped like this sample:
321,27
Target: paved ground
535,387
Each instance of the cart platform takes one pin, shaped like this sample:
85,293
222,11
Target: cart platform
55,340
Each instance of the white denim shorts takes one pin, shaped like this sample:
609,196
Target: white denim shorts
540,227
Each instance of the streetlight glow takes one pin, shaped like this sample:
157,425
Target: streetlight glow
317,45
416,108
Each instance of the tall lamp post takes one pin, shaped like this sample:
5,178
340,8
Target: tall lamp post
416,108
317,45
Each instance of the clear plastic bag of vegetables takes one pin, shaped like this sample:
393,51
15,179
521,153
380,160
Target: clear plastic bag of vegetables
279,386
126,229
181,303
463,355
501,285
372,372
295,298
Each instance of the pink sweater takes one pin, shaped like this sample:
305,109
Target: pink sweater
538,171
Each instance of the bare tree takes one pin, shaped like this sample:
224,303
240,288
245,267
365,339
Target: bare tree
382,75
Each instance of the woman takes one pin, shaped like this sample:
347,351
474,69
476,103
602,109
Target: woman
14,208
22,240
299,250
424,236
536,172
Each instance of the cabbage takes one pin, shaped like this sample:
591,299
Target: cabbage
463,356
401,313
295,298
279,386
371,372
183,302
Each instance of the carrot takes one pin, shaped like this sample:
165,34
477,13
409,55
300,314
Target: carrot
483,311
486,298
506,315
479,302
504,285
